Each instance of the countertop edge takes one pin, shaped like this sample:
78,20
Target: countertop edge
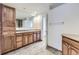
71,38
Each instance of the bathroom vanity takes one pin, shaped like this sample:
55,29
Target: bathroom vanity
26,37
70,44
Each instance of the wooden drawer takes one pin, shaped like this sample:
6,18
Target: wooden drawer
73,51
66,40
71,42
19,34
30,33
19,44
75,44
19,38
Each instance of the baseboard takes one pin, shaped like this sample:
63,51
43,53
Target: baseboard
53,48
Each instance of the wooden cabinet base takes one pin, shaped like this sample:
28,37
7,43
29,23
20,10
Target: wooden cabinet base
23,39
70,46
19,47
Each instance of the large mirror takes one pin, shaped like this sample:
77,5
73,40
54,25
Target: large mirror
23,21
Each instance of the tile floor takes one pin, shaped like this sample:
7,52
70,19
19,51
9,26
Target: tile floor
38,48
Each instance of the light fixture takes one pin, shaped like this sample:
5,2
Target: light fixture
34,13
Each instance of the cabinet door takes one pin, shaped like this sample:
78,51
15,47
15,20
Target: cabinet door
35,36
8,21
8,17
7,43
65,48
73,51
38,36
19,40
25,39
30,35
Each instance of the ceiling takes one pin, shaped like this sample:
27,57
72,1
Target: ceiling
25,10
29,9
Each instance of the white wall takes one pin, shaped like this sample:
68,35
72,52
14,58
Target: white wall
37,21
69,13
71,19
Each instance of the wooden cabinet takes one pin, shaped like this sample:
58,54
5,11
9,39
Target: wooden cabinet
35,36
19,40
70,46
73,51
30,37
38,35
26,38
7,44
7,28
8,17
65,48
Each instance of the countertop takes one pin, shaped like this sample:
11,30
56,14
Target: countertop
72,36
30,30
